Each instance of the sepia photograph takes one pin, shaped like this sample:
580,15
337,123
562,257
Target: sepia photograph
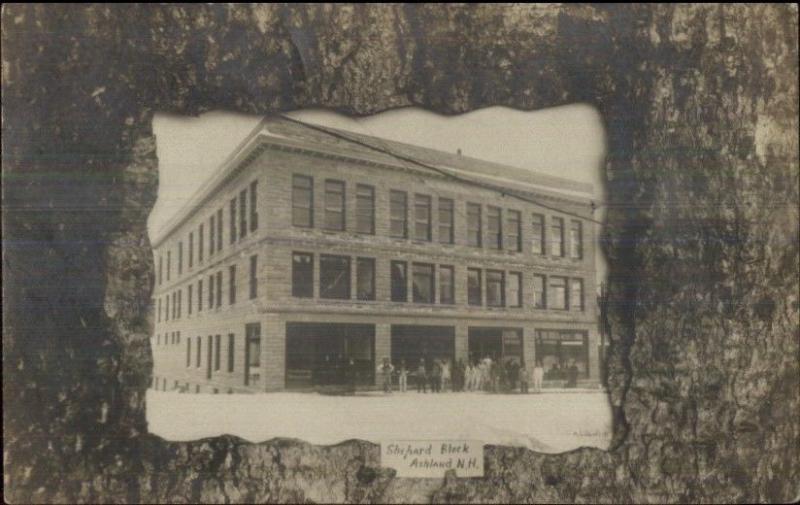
400,253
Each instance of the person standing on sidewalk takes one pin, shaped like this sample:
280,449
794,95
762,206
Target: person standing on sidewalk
386,370
422,377
538,376
402,376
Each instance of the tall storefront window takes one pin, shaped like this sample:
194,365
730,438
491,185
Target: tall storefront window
561,350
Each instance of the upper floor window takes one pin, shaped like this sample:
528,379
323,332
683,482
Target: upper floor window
557,296
200,243
557,237
232,284
422,217
539,294
212,242
169,263
494,235
537,234
189,298
334,205
232,218
242,214
446,285
422,282
514,231
365,278
514,289
334,276
474,225
219,230
365,209
253,276
210,291
576,294
219,288
576,240
231,351
191,249
254,205
302,201
446,224
200,295
180,257
399,281
474,287
303,275
160,270
398,213
495,288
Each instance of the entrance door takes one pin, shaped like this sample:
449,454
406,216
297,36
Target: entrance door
411,343
321,354
496,343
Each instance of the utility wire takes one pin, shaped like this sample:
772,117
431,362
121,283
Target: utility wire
445,173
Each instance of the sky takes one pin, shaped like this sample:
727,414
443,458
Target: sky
567,141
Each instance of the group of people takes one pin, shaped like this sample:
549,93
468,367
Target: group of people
487,374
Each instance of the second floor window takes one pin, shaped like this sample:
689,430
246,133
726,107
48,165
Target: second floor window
334,277
231,351
219,230
253,276
537,234
399,281
495,288
254,206
232,284
398,214
422,217
160,270
191,249
474,288
514,289
557,296
302,275
200,244
180,258
219,288
474,225
576,294
210,291
365,279
365,209
422,282
494,233
189,298
446,224
302,201
557,237
232,213
334,205
514,231
539,294
211,230
200,295
446,285
242,214
576,240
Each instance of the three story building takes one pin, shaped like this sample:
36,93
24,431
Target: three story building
311,251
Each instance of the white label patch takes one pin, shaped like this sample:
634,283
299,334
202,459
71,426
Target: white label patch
432,458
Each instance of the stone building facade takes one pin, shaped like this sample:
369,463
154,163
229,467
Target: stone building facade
313,254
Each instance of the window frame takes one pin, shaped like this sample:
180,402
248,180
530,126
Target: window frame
451,293
295,271
431,283
471,228
365,192
502,288
329,210
470,298
366,261
422,226
392,215
295,204
395,288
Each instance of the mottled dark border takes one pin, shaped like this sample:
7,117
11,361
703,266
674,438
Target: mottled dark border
701,107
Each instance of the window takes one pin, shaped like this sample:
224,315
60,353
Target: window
169,263
558,293
200,242
495,288
180,258
399,281
365,279
219,230
334,205
514,231
474,288
422,217
180,302
160,269
398,214
537,234
302,275
422,283
242,213
188,352
474,226
219,288
231,350
211,291
200,295
365,209
539,295
232,213
253,276
217,345
576,294
334,277
159,310
557,240
210,356
494,235
166,308
252,349
254,205
514,296
174,304
191,249
302,201
232,284
576,240
446,220
446,285
199,351
211,230
189,298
